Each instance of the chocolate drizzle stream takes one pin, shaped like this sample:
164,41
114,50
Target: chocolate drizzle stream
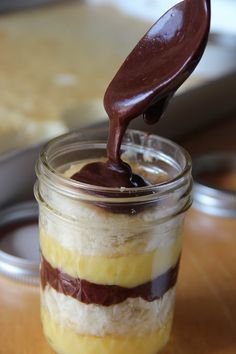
105,295
159,64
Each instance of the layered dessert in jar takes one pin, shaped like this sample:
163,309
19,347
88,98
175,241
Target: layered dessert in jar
111,211
110,257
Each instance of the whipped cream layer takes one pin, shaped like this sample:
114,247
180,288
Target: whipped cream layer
131,317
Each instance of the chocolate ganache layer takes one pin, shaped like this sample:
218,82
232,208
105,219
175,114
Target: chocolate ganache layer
106,295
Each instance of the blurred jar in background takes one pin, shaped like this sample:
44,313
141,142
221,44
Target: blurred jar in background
213,218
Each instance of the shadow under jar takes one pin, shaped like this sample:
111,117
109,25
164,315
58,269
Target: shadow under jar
110,256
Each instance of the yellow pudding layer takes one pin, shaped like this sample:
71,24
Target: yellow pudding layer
65,341
126,271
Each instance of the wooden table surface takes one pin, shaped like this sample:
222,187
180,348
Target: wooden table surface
205,319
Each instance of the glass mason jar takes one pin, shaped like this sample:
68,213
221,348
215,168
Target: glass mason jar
110,256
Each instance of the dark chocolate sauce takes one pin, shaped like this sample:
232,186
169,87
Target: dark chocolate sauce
109,174
159,64
106,295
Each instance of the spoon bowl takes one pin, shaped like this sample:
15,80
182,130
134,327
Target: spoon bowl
162,60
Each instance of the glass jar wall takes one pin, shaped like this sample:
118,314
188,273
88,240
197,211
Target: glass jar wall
110,257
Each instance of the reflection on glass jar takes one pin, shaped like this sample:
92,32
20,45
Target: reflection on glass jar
110,257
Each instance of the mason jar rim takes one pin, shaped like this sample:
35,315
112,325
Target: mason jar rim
45,170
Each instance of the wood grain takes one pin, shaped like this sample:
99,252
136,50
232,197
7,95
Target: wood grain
206,313
205,320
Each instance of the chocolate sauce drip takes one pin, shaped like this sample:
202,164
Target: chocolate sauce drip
109,174
159,64
105,295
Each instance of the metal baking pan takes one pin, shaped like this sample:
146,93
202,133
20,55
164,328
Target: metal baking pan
13,5
208,96
17,175
196,108
19,244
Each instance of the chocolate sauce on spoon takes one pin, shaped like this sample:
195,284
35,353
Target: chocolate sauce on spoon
159,64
